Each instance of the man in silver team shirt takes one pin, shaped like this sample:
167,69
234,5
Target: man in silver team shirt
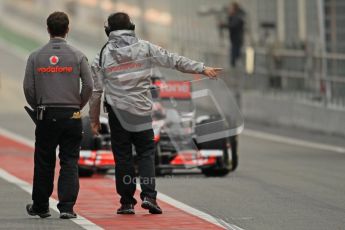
52,89
121,71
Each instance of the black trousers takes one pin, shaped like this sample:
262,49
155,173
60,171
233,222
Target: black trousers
121,141
235,53
67,134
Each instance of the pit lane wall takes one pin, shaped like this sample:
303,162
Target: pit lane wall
273,110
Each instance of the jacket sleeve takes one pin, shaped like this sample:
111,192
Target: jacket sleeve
29,83
86,80
164,58
96,97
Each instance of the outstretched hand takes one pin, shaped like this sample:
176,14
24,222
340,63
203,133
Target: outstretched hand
212,72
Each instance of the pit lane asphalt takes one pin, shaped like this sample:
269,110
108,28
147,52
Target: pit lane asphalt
277,185
13,214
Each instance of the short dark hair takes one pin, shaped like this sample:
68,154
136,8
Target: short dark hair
235,6
120,21
57,23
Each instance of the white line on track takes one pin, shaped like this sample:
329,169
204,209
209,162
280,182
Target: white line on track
292,141
196,212
81,221
193,211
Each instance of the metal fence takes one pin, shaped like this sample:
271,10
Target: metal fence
302,74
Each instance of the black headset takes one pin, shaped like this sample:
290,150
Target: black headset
108,29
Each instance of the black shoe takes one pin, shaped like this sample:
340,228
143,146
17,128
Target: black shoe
32,212
68,215
126,209
151,205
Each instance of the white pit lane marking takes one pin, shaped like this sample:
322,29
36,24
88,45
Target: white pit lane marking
292,141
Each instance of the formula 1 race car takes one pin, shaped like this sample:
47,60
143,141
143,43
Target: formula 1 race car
214,158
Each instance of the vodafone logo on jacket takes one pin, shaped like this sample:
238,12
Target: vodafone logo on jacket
54,60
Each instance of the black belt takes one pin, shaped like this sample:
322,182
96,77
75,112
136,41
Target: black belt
58,113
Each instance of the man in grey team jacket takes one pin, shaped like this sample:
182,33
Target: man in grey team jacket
128,98
52,88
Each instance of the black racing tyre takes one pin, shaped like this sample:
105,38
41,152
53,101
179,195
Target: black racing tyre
225,164
88,140
85,172
234,152
87,143
102,171
215,172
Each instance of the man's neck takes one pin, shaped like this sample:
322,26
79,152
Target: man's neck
57,37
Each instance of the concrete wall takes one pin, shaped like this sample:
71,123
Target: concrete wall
283,111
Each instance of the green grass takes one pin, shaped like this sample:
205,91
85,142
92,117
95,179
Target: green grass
19,40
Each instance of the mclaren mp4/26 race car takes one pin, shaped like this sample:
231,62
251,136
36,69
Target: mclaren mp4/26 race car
193,128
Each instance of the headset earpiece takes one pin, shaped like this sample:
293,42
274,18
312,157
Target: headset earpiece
131,26
107,30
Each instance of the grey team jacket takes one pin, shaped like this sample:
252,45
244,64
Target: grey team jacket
125,73
53,74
